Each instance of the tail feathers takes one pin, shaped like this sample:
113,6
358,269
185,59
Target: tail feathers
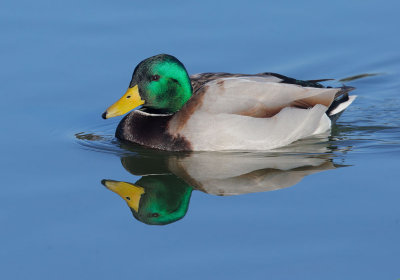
341,102
342,106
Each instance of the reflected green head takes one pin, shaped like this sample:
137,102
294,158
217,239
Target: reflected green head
165,200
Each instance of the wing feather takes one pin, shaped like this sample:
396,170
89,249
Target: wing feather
251,96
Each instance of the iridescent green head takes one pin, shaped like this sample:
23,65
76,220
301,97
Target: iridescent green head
163,83
160,83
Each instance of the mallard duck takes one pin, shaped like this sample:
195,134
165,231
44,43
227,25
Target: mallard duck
222,111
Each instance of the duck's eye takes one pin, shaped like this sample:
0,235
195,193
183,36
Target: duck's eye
155,77
155,215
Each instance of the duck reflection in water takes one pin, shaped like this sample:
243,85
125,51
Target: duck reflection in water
162,194
154,200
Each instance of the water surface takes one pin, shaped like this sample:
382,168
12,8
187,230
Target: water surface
323,208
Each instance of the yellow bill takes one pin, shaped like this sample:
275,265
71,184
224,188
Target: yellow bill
130,100
128,192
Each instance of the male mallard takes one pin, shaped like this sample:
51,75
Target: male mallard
222,111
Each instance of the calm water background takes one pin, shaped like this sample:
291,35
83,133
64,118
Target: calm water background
64,62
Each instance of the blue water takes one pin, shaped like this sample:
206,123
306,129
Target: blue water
64,62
